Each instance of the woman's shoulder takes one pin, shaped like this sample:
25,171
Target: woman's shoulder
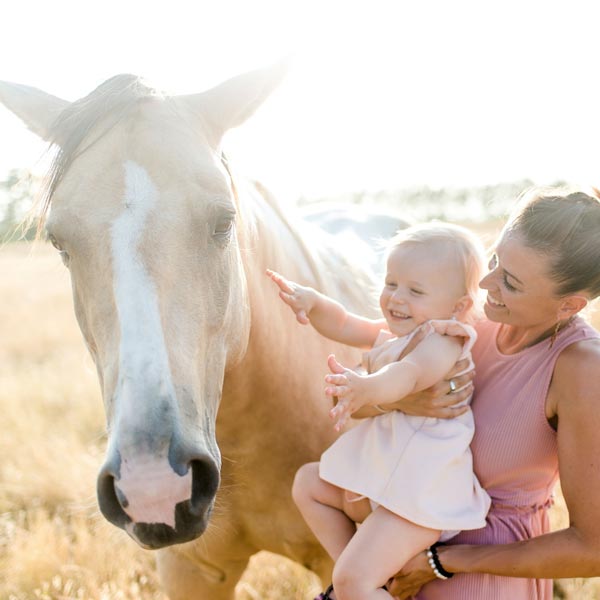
579,357
579,347
576,377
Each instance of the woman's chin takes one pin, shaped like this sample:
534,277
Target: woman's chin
494,313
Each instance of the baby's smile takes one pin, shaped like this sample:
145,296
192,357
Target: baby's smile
398,315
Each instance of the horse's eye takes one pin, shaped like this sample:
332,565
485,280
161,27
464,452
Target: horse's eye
224,227
54,242
63,255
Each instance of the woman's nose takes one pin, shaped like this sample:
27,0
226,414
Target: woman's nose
488,281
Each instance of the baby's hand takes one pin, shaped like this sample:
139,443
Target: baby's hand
347,388
299,298
452,328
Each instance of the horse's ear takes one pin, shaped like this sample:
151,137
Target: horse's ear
229,104
37,109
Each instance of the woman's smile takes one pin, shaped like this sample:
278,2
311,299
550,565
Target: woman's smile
495,303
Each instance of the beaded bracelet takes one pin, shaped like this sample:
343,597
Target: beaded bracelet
435,564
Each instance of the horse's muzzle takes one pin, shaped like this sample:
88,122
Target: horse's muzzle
184,520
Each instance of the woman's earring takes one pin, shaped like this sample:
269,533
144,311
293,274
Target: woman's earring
556,330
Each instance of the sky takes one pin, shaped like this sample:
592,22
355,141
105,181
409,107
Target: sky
381,94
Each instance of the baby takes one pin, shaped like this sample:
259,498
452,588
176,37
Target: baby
409,480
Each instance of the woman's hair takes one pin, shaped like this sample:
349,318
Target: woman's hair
455,245
565,225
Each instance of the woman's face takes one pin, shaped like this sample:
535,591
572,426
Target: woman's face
520,291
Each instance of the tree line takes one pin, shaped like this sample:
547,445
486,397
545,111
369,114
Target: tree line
476,204
17,194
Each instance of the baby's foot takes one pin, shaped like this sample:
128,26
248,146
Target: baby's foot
327,594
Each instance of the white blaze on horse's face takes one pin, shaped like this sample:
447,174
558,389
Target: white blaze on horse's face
145,211
143,357
161,342
162,384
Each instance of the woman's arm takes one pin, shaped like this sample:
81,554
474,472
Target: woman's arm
574,397
326,315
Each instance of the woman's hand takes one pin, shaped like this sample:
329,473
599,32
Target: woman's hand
413,576
299,298
437,401
348,387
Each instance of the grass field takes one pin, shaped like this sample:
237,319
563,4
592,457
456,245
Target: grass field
54,545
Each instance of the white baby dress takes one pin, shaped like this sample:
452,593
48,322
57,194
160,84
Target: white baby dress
420,468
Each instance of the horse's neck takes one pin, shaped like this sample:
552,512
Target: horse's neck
280,350
269,240
305,255
303,252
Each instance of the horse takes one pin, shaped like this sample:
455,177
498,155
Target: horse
213,394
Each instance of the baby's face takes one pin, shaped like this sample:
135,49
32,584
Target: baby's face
420,284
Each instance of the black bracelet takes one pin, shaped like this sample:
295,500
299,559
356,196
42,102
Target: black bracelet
435,564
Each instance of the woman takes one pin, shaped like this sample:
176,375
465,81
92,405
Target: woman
536,408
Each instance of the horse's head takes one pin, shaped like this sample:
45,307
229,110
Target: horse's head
143,212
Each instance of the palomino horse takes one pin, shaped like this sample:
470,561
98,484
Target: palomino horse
213,393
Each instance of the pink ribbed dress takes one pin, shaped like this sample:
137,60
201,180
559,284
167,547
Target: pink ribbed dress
515,458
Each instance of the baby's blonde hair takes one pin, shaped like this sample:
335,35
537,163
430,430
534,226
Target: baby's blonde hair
457,244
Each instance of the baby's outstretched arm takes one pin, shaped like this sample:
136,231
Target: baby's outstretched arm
326,315
421,368
299,298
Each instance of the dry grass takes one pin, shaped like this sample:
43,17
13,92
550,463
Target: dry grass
53,543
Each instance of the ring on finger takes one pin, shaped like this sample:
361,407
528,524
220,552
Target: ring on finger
453,385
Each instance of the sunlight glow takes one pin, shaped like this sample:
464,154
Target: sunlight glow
381,95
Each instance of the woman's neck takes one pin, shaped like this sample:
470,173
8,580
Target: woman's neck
511,339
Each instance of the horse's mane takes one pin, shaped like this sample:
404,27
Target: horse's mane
109,103
334,273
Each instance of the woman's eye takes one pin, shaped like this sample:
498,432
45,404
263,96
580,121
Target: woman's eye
493,262
507,284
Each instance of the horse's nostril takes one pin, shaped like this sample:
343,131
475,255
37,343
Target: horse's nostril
111,501
205,483
121,497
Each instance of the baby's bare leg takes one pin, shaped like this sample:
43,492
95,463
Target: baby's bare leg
322,506
378,550
355,507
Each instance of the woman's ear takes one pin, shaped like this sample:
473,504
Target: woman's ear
462,307
570,306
